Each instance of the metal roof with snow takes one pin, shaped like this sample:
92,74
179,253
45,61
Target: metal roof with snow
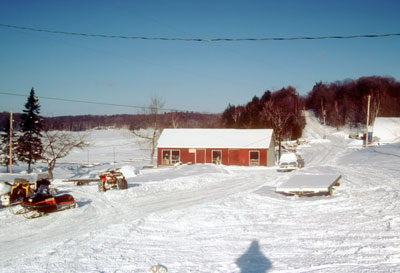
216,138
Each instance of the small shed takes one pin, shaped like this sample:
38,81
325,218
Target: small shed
242,147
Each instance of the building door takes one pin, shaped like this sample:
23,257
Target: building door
200,156
166,157
216,156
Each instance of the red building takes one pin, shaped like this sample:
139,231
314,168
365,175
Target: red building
243,147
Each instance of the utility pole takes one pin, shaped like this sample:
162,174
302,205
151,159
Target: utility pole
323,115
114,155
366,129
11,142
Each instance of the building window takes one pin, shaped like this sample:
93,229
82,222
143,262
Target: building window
175,157
216,157
254,158
170,157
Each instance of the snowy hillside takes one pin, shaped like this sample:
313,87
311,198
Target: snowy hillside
208,218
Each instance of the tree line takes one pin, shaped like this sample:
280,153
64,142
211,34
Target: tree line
341,103
134,121
345,102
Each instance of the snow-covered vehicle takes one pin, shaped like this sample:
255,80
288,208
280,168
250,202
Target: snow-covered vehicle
20,186
290,162
112,179
43,202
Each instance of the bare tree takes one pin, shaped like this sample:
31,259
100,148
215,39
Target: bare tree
175,120
376,105
58,144
237,115
278,117
153,132
233,115
7,138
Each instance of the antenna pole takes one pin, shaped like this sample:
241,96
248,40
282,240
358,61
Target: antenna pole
366,130
11,142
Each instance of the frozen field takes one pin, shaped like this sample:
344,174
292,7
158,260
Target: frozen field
207,218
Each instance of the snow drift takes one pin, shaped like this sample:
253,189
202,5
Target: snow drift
387,129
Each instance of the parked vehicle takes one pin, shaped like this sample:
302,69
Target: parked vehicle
112,179
290,162
43,202
301,141
12,193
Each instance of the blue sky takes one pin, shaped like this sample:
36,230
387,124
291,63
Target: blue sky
189,76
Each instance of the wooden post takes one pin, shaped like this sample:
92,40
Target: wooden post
323,115
366,130
11,151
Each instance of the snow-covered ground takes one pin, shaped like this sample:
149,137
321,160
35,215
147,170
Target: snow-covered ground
208,218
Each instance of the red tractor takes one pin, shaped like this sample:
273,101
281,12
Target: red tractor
112,179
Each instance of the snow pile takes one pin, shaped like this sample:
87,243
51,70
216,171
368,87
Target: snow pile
387,129
129,171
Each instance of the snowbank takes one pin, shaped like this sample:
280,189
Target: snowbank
387,129
129,171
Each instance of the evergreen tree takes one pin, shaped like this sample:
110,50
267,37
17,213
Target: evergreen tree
29,143
5,146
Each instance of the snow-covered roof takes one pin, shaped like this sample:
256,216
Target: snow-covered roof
309,183
387,129
216,138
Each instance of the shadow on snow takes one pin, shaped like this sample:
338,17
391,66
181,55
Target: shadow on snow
253,260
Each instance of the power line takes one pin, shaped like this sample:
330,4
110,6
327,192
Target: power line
97,103
202,39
